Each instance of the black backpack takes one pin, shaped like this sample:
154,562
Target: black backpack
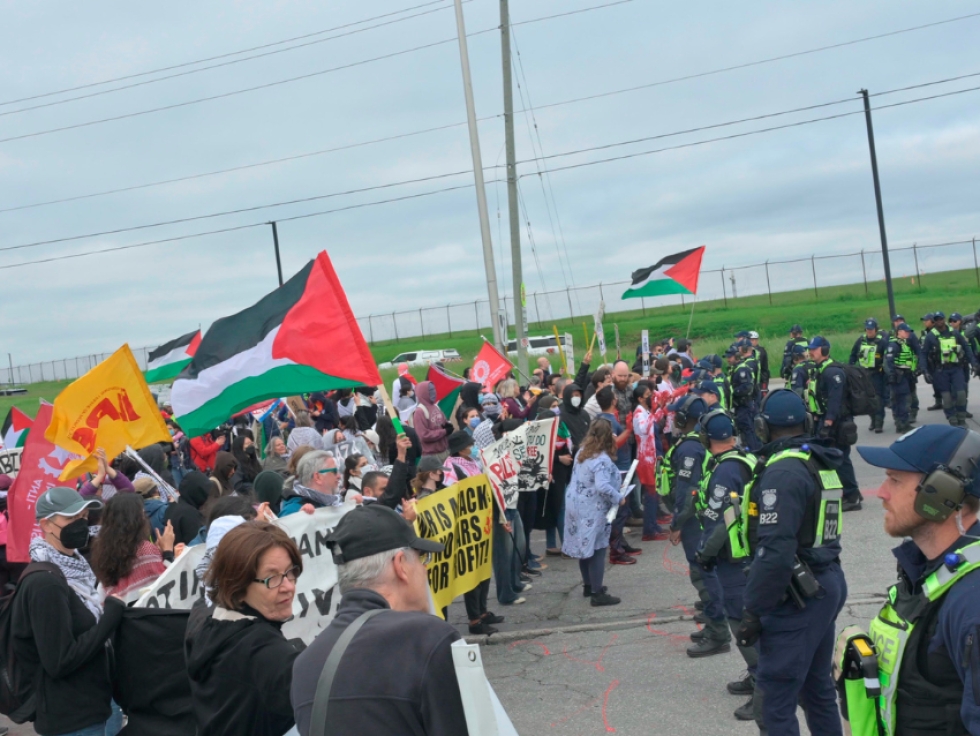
860,397
17,698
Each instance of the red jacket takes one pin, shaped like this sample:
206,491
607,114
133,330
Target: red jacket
203,452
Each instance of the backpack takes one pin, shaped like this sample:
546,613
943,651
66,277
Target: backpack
17,701
860,397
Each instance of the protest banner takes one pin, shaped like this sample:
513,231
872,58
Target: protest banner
461,518
316,598
41,465
10,461
109,407
645,351
520,460
599,332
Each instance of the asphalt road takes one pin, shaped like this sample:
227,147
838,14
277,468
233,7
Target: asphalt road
562,667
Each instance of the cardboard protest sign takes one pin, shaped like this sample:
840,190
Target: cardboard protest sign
461,517
316,598
520,460
10,461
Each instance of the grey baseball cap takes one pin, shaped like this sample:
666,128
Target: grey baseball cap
63,502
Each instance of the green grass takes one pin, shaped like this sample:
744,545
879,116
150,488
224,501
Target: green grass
836,312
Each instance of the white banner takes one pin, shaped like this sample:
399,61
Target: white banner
316,598
10,461
599,332
521,460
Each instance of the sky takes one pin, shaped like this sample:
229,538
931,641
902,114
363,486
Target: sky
777,195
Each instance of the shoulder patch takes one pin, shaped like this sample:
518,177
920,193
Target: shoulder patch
769,499
689,462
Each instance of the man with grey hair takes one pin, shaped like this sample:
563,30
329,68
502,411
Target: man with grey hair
316,483
396,676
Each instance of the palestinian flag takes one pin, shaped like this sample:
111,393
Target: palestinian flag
302,337
15,429
168,360
447,389
676,274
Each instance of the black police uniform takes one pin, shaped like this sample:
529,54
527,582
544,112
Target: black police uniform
745,392
900,363
687,462
762,355
786,370
913,378
945,352
830,386
795,645
869,353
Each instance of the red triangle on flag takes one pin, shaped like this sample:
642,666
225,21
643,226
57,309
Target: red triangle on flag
320,330
191,349
686,271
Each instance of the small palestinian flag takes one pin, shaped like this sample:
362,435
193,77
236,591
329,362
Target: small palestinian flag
167,361
302,337
15,429
447,389
676,274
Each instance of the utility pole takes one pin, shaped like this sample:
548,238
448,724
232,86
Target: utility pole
881,211
275,240
520,308
481,193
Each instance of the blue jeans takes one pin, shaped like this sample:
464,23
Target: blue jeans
507,559
555,535
651,507
115,723
99,729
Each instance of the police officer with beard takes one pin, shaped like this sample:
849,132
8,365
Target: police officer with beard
795,588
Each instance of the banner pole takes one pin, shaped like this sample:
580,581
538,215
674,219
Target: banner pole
691,320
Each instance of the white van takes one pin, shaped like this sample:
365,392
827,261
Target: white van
423,357
546,345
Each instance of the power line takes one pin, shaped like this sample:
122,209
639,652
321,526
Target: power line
289,80
271,162
220,56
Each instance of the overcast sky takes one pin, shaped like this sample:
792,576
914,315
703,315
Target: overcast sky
781,194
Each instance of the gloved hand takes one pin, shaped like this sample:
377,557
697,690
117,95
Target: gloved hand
749,630
928,377
708,563
449,428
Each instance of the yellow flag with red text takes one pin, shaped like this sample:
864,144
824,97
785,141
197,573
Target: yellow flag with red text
109,407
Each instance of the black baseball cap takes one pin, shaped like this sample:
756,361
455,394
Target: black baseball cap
371,530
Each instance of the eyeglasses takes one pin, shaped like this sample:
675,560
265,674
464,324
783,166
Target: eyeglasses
324,471
424,557
274,581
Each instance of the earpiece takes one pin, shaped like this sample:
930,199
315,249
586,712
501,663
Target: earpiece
762,427
681,415
703,426
941,492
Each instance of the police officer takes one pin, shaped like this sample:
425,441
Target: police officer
956,324
828,389
926,634
684,464
707,390
795,586
802,373
927,322
900,362
795,338
719,378
724,538
869,353
945,351
762,355
745,392
913,378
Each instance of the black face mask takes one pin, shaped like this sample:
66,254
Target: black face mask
250,450
74,535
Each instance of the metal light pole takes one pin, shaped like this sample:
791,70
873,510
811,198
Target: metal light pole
520,307
881,211
481,194
275,240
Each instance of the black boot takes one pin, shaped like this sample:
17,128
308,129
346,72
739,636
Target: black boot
935,407
745,686
706,647
604,599
746,712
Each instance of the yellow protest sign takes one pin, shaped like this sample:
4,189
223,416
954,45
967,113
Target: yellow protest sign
461,517
109,407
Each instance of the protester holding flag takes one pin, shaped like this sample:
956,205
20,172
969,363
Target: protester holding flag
58,625
243,448
431,424
107,481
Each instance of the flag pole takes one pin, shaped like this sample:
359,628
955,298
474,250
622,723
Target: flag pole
691,320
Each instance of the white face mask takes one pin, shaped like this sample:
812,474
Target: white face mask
576,401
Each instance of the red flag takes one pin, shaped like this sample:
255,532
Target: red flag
490,366
40,466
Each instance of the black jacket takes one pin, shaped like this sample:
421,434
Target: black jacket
240,666
53,631
396,677
185,514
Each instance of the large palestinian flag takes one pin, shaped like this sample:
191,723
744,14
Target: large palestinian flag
15,429
676,274
302,337
447,389
168,360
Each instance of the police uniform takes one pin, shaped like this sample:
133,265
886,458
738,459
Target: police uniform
745,392
913,378
924,364
901,361
786,371
827,389
683,468
794,517
801,374
722,509
869,353
958,329
945,352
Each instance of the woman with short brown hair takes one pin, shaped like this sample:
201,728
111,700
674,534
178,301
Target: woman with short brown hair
239,663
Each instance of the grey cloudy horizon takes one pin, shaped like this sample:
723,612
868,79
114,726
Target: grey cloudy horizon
776,195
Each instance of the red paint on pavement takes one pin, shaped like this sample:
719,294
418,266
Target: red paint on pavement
544,649
598,663
661,632
605,703
673,567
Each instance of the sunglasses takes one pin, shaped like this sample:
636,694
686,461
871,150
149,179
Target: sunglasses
327,470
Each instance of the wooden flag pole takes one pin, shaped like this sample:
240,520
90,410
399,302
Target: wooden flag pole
691,320
561,351
392,411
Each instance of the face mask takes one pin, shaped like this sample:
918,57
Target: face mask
475,452
555,410
250,450
432,393
576,401
491,410
74,535
474,422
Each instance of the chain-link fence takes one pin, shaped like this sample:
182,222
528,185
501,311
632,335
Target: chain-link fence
772,278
